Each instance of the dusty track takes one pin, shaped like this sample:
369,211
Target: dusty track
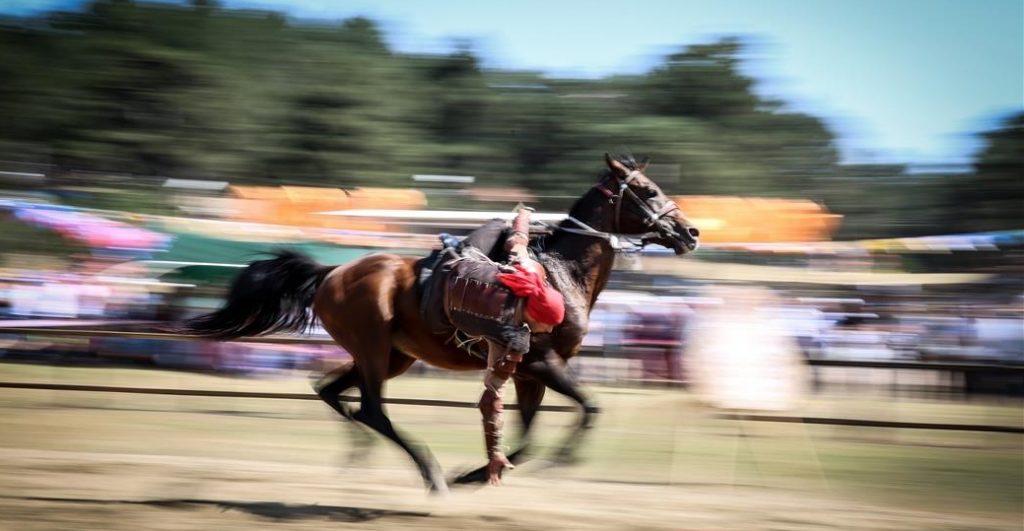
54,490
111,462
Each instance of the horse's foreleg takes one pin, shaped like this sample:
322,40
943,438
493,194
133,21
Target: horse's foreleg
529,393
551,372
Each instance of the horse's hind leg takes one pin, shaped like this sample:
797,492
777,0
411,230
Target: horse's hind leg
371,413
329,388
331,385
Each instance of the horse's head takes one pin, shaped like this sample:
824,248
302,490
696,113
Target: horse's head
634,204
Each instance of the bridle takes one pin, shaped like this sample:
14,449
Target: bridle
650,216
652,219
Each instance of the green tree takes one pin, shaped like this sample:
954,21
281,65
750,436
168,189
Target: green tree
201,91
702,81
992,198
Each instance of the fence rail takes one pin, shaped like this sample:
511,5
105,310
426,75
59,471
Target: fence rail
164,336
869,423
54,331
248,394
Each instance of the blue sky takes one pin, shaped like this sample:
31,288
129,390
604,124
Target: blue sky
897,80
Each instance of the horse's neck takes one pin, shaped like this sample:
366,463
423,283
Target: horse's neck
593,258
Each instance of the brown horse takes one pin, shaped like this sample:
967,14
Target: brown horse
371,307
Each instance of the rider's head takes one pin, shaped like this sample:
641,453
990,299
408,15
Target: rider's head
545,307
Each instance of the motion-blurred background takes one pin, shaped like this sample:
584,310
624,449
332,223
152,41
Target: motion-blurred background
856,170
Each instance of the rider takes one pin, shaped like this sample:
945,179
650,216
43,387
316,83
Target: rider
544,309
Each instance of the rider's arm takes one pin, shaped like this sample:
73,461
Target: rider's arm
520,236
502,363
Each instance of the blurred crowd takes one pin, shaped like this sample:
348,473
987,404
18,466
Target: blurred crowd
73,296
659,330
75,300
634,335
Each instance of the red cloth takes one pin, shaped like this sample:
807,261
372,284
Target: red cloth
544,304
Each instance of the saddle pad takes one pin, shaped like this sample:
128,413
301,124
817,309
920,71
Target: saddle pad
472,289
466,296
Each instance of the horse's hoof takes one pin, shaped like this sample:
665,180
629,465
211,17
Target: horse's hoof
358,456
475,477
565,457
436,484
438,490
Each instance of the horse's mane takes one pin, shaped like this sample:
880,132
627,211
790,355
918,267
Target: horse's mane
562,272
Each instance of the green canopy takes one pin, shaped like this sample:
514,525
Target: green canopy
195,258
197,248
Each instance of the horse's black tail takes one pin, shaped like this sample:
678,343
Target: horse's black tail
268,296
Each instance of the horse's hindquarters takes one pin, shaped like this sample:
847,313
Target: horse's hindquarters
371,307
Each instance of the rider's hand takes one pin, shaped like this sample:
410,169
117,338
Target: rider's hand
497,464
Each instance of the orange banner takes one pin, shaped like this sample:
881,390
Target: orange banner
758,220
298,205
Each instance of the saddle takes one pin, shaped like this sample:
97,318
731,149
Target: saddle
461,295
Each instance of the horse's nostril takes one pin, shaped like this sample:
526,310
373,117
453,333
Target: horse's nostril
692,231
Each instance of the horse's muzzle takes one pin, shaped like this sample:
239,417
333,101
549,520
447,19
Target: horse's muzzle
684,238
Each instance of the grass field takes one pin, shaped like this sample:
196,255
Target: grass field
646,438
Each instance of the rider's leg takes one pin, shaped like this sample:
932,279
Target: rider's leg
488,237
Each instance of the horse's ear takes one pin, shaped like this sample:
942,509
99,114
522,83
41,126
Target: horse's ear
618,168
642,165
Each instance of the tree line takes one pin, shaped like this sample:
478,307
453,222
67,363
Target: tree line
203,92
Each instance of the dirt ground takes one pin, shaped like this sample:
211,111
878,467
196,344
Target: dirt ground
96,461
53,490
